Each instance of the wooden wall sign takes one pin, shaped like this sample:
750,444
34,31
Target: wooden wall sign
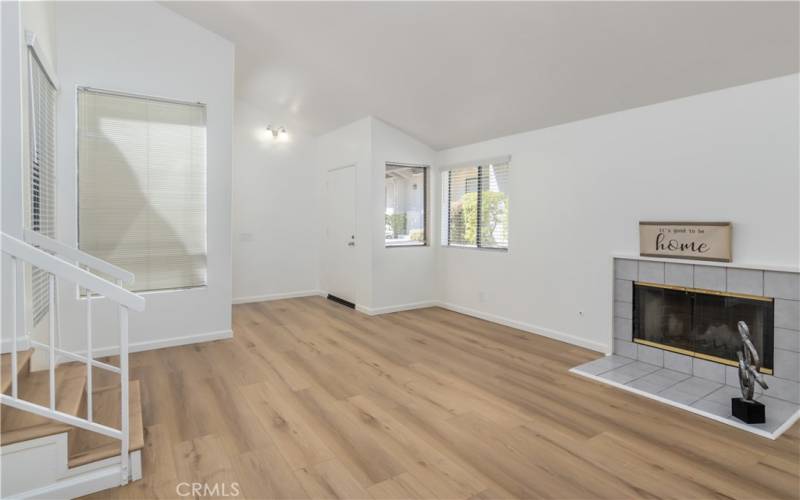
686,240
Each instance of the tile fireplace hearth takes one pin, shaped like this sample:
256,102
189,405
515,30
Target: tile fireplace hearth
675,338
698,395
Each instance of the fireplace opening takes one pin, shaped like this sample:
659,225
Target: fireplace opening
702,323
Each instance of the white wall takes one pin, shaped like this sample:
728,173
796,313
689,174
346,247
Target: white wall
145,48
349,145
275,209
18,18
578,191
401,276
387,278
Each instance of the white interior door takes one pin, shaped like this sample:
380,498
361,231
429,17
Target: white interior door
340,233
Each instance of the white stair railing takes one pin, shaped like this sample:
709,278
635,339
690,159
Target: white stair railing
59,265
90,263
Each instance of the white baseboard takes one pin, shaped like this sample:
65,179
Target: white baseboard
39,361
374,311
276,296
173,342
149,345
519,325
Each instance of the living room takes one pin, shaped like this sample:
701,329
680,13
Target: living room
400,250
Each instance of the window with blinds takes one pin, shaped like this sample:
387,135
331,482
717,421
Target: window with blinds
42,172
142,187
475,206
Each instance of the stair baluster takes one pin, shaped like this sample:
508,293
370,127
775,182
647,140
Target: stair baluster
123,366
15,322
52,349
59,261
89,358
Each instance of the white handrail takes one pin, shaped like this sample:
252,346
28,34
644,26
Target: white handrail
58,269
77,256
70,272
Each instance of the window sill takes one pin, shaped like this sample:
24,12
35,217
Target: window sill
151,292
471,248
408,245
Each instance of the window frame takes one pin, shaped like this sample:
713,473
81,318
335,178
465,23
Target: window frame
425,204
81,294
34,174
445,204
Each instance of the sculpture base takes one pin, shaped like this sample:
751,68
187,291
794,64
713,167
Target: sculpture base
749,412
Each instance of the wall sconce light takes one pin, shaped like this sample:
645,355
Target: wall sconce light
278,132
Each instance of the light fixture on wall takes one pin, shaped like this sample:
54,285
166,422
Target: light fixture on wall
278,133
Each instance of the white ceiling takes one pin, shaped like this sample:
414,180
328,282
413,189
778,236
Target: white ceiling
455,73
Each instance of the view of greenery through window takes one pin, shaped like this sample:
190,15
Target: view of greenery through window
405,205
466,190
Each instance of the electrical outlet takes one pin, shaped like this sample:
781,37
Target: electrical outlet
482,297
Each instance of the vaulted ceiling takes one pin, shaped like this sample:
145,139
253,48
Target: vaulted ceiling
452,73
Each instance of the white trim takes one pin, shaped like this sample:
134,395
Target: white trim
77,486
33,42
276,296
519,325
28,464
120,93
735,265
135,461
374,311
70,483
527,327
149,345
733,423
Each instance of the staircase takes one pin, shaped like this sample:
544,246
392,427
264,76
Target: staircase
76,427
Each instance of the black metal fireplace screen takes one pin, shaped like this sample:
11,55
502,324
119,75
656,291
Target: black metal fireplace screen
701,323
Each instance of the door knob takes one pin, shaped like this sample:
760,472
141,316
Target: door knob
351,243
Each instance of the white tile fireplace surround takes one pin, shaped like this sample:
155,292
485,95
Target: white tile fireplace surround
699,385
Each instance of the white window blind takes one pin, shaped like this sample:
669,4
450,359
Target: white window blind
42,174
475,206
142,187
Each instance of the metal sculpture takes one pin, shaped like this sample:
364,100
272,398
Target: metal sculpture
745,408
749,365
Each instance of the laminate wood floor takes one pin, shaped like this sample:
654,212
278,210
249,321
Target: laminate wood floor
314,400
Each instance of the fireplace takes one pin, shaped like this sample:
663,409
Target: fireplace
701,323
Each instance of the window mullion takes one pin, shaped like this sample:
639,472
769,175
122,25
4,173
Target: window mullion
479,202
449,203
